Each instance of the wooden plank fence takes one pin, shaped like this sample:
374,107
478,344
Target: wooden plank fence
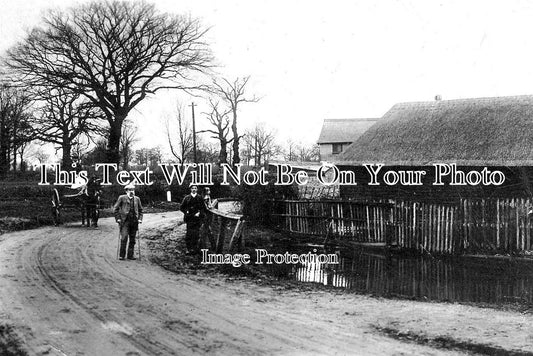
493,225
219,224
357,221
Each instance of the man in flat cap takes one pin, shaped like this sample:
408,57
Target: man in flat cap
128,214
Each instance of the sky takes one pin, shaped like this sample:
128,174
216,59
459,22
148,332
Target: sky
313,60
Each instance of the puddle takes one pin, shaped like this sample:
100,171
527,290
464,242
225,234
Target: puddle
462,280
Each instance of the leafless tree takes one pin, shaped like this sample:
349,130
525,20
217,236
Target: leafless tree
62,118
184,135
81,147
233,94
21,147
290,150
22,136
96,154
115,54
220,120
259,142
308,153
207,151
127,139
15,130
293,151
149,157
39,154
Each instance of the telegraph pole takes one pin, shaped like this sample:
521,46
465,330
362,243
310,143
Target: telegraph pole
193,133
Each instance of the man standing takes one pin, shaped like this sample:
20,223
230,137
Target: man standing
193,209
56,206
210,204
128,214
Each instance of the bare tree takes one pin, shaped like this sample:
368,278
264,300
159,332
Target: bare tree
184,135
39,154
308,153
290,151
259,142
114,53
148,157
62,118
22,136
233,94
22,140
14,126
80,148
207,151
293,151
219,119
127,139
96,155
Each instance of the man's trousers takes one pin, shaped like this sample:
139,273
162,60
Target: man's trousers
192,236
128,230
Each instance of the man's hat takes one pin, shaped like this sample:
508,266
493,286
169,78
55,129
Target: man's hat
129,186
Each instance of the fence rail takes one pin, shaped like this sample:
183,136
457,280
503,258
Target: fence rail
468,226
362,222
221,224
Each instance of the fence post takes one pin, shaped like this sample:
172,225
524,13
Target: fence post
221,235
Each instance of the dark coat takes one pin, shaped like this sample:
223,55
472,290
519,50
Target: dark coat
192,205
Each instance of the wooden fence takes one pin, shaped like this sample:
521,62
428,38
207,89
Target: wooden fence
356,221
468,226
221,224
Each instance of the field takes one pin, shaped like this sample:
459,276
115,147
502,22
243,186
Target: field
24,204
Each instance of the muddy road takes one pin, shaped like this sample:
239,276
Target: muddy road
65,293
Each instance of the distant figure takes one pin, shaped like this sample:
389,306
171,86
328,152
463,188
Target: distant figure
56,207
210,204
194,208
128,214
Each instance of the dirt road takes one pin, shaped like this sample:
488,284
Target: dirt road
66,293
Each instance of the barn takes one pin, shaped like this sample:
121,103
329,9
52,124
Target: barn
337,134
473,135
495,134
477,137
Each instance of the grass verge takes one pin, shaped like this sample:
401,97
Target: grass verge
10,343
447,343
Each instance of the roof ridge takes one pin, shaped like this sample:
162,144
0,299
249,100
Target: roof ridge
469,130
483,98
352,119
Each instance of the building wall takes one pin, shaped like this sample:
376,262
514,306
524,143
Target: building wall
517,184
326,150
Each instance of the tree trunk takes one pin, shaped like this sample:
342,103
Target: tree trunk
223,155
125,159
4,147
14,158
236,158
22,162
66,162
113,144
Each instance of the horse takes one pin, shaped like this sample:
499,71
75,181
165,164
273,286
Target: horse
92,202
88,201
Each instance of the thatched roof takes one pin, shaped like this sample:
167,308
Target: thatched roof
343,130
298,165
483,131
